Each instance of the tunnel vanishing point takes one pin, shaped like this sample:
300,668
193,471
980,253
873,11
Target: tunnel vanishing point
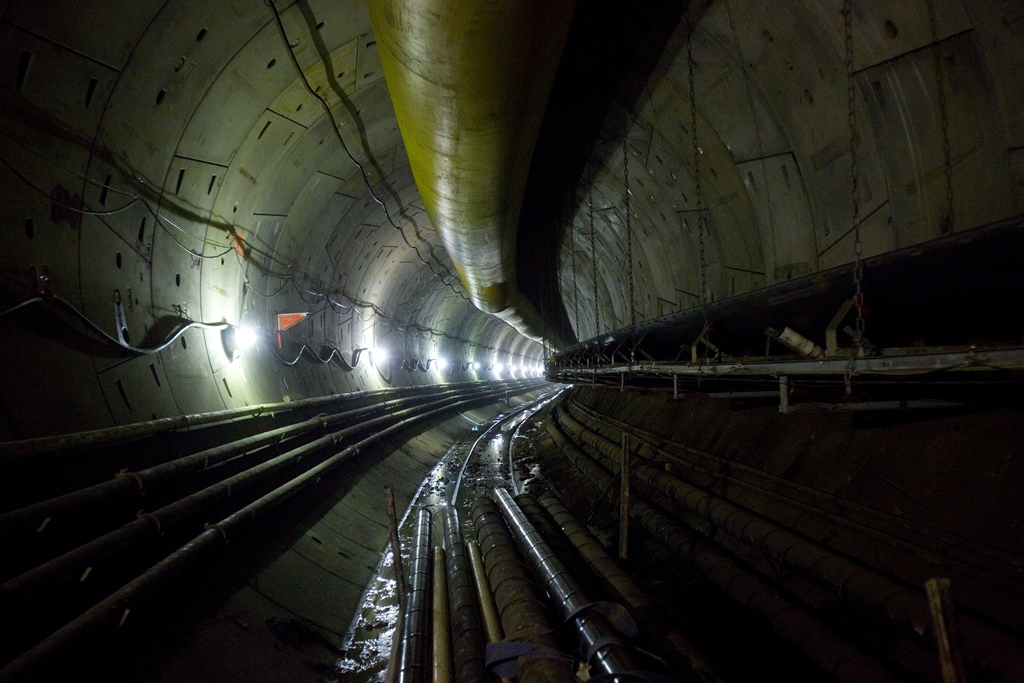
732,290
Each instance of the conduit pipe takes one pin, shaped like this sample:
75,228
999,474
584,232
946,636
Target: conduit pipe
850,581
112,613
129,486
72,564
768,494
598,640
467,631
414,648
793,623
520,605
13,452
469,83
650,617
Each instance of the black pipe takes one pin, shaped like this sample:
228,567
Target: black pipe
73,563
467,631
519,602
652,619
849,580
129,486
110,614
414,649
792,622
598,640
35,450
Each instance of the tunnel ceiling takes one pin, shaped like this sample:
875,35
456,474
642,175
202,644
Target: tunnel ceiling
169,156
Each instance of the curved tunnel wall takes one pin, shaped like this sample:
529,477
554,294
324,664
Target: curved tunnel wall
196,109
772,127
169,151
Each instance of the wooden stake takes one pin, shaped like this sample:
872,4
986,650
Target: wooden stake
947,630
396,545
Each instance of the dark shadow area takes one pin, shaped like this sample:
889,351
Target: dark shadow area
608,58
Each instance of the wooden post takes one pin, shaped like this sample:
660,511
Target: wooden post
624,498
396,545
784,395
441,635
947,630
675,387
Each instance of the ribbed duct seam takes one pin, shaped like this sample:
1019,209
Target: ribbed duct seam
520,605
467,629
597,638
653,623
414,650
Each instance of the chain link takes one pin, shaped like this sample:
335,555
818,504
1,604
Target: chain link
704,298
629,232
949,220
593,253
858,249
575,279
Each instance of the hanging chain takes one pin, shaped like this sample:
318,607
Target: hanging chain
851,112
629,231
704,298
593,253
948,221
575,279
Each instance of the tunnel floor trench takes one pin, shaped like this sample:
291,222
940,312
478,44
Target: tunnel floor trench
890,507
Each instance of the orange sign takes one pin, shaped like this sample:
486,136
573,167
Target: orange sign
286,320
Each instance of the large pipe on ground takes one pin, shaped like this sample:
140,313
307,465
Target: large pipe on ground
519,602
469,83
415,645
598,639
792,622
651,618
467,631
849,580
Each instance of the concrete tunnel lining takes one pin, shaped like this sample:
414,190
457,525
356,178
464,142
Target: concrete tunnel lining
195,109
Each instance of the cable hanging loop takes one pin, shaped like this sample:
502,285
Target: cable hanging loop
858,249
949,220
629,231
697,152
575,278
593,254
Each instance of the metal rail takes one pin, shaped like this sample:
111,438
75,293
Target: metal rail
496,425
962,360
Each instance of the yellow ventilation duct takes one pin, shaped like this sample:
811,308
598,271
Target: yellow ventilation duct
469,82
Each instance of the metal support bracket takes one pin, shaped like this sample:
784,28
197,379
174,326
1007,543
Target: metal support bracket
705,339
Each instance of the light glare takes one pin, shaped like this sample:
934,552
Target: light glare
245,337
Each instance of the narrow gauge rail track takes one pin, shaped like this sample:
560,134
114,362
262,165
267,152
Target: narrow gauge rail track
501,452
